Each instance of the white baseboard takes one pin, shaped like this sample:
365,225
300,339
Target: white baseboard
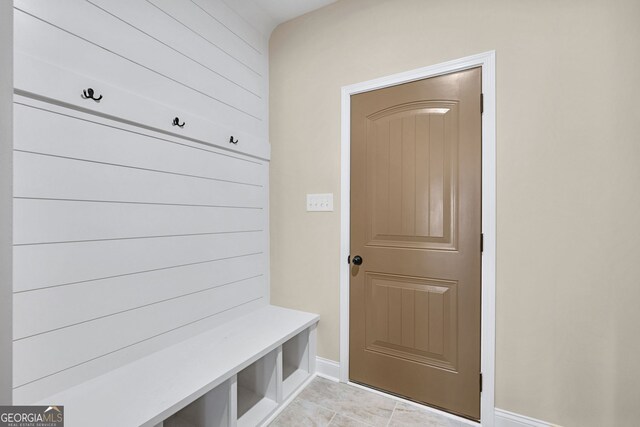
327,369
510,419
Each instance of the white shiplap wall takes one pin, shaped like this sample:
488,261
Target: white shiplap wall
131,234
6,199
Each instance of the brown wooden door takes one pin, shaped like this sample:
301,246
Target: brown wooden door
415,222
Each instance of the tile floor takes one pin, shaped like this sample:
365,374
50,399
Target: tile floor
327,403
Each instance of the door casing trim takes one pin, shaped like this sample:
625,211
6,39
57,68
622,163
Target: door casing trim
486,60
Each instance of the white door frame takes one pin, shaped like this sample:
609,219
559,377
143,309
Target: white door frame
485,60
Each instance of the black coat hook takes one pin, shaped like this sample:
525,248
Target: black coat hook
88,94
232,141
176,122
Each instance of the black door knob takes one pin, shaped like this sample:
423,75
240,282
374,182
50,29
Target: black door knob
357,260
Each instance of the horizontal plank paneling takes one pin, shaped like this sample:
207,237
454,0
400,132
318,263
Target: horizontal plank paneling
230,19
44,176
67,305
146,51
48,221
47,386
190,15
52,132
68,347
39,266
166,30
51,44
131,234
252,14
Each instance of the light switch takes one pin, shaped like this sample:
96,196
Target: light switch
320,202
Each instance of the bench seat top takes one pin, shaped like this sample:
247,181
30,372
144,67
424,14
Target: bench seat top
152,388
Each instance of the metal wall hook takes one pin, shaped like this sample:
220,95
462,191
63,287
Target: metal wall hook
176,122
232,141
88,94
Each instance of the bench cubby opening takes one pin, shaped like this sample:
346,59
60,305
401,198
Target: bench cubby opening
211,410
257,390
295,362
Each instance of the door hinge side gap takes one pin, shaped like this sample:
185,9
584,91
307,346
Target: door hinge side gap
481,103
480,382
482,243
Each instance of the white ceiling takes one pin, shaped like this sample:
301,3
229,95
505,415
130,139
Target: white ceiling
284,10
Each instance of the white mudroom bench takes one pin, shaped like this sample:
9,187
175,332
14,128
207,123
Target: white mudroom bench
237,374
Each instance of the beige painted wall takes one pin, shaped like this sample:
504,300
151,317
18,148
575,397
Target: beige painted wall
568,167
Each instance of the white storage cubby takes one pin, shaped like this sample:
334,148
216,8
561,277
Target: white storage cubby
257,393
295,363
250,368
211,410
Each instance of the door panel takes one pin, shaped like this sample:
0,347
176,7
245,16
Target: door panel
412,318
415,220
411,176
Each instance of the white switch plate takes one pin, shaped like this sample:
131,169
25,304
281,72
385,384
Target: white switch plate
320,202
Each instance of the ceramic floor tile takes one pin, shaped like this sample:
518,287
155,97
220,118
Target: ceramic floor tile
410,415
321,391
342,421
328,403
350,401
301,413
